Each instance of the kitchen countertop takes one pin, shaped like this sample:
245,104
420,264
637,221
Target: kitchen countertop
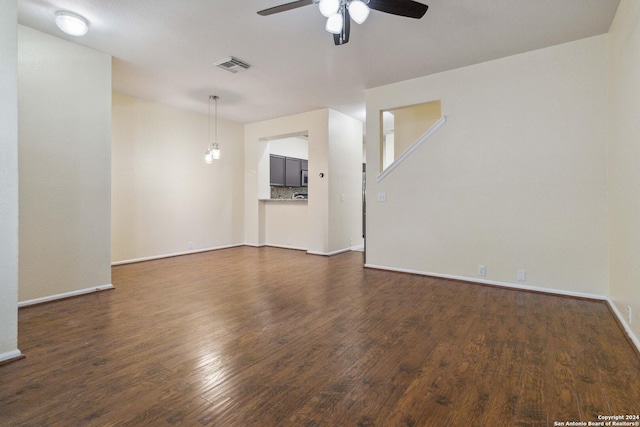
283,200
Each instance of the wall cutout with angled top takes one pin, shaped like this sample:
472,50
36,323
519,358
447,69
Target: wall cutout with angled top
401,127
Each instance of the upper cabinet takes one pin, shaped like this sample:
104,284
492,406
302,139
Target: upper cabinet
277,170
287,171
292,172
288,158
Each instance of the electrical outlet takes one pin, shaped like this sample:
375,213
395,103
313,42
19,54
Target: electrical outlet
342,197
522,275
629,317
382,197
482,270
190,245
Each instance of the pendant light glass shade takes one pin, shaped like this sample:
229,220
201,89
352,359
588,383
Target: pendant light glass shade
334,23
358,11
213,150
72,24
212,154
329,7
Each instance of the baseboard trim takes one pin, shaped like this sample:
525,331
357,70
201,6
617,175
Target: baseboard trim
624,324
318,253
64,295
339,251
10,356
493,283
294,248
171,255
297,248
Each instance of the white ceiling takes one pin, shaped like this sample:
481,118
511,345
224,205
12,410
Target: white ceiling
163,49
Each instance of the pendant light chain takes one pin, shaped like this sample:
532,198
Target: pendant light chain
215,137
213,149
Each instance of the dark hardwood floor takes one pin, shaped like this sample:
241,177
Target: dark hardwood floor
272,337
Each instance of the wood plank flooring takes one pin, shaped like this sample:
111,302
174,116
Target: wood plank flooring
273,337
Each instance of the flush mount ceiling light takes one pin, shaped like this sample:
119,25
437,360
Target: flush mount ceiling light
71,23
340,12
213,150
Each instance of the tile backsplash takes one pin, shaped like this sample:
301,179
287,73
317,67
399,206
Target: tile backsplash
287,192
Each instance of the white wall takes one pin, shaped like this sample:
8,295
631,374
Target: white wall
256,168
64,129
286,224
334,151
8,181
166,199
290,147
515,179
624,158
345,182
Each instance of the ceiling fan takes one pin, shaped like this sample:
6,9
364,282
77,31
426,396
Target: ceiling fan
340,12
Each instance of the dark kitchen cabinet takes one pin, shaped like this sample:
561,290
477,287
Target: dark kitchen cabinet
292,172
286,171
277,170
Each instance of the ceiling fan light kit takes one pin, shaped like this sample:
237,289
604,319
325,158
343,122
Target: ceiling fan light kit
340,12
329,8
358,11
335,23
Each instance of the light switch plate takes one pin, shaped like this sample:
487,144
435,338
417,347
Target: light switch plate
482,270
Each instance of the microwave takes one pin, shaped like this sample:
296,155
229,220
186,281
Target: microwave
304,180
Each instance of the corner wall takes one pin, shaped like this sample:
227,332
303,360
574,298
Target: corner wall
64,129
345,182
9,180
165,199
623,161
335,152
515,179
256,169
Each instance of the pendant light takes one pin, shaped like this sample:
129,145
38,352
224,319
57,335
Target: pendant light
213,151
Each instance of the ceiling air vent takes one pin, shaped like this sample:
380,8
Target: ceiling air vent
232,64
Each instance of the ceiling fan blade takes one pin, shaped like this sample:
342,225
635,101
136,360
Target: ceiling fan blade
343,37
285,7
408,8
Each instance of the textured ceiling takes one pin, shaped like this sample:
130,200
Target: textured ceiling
163,50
